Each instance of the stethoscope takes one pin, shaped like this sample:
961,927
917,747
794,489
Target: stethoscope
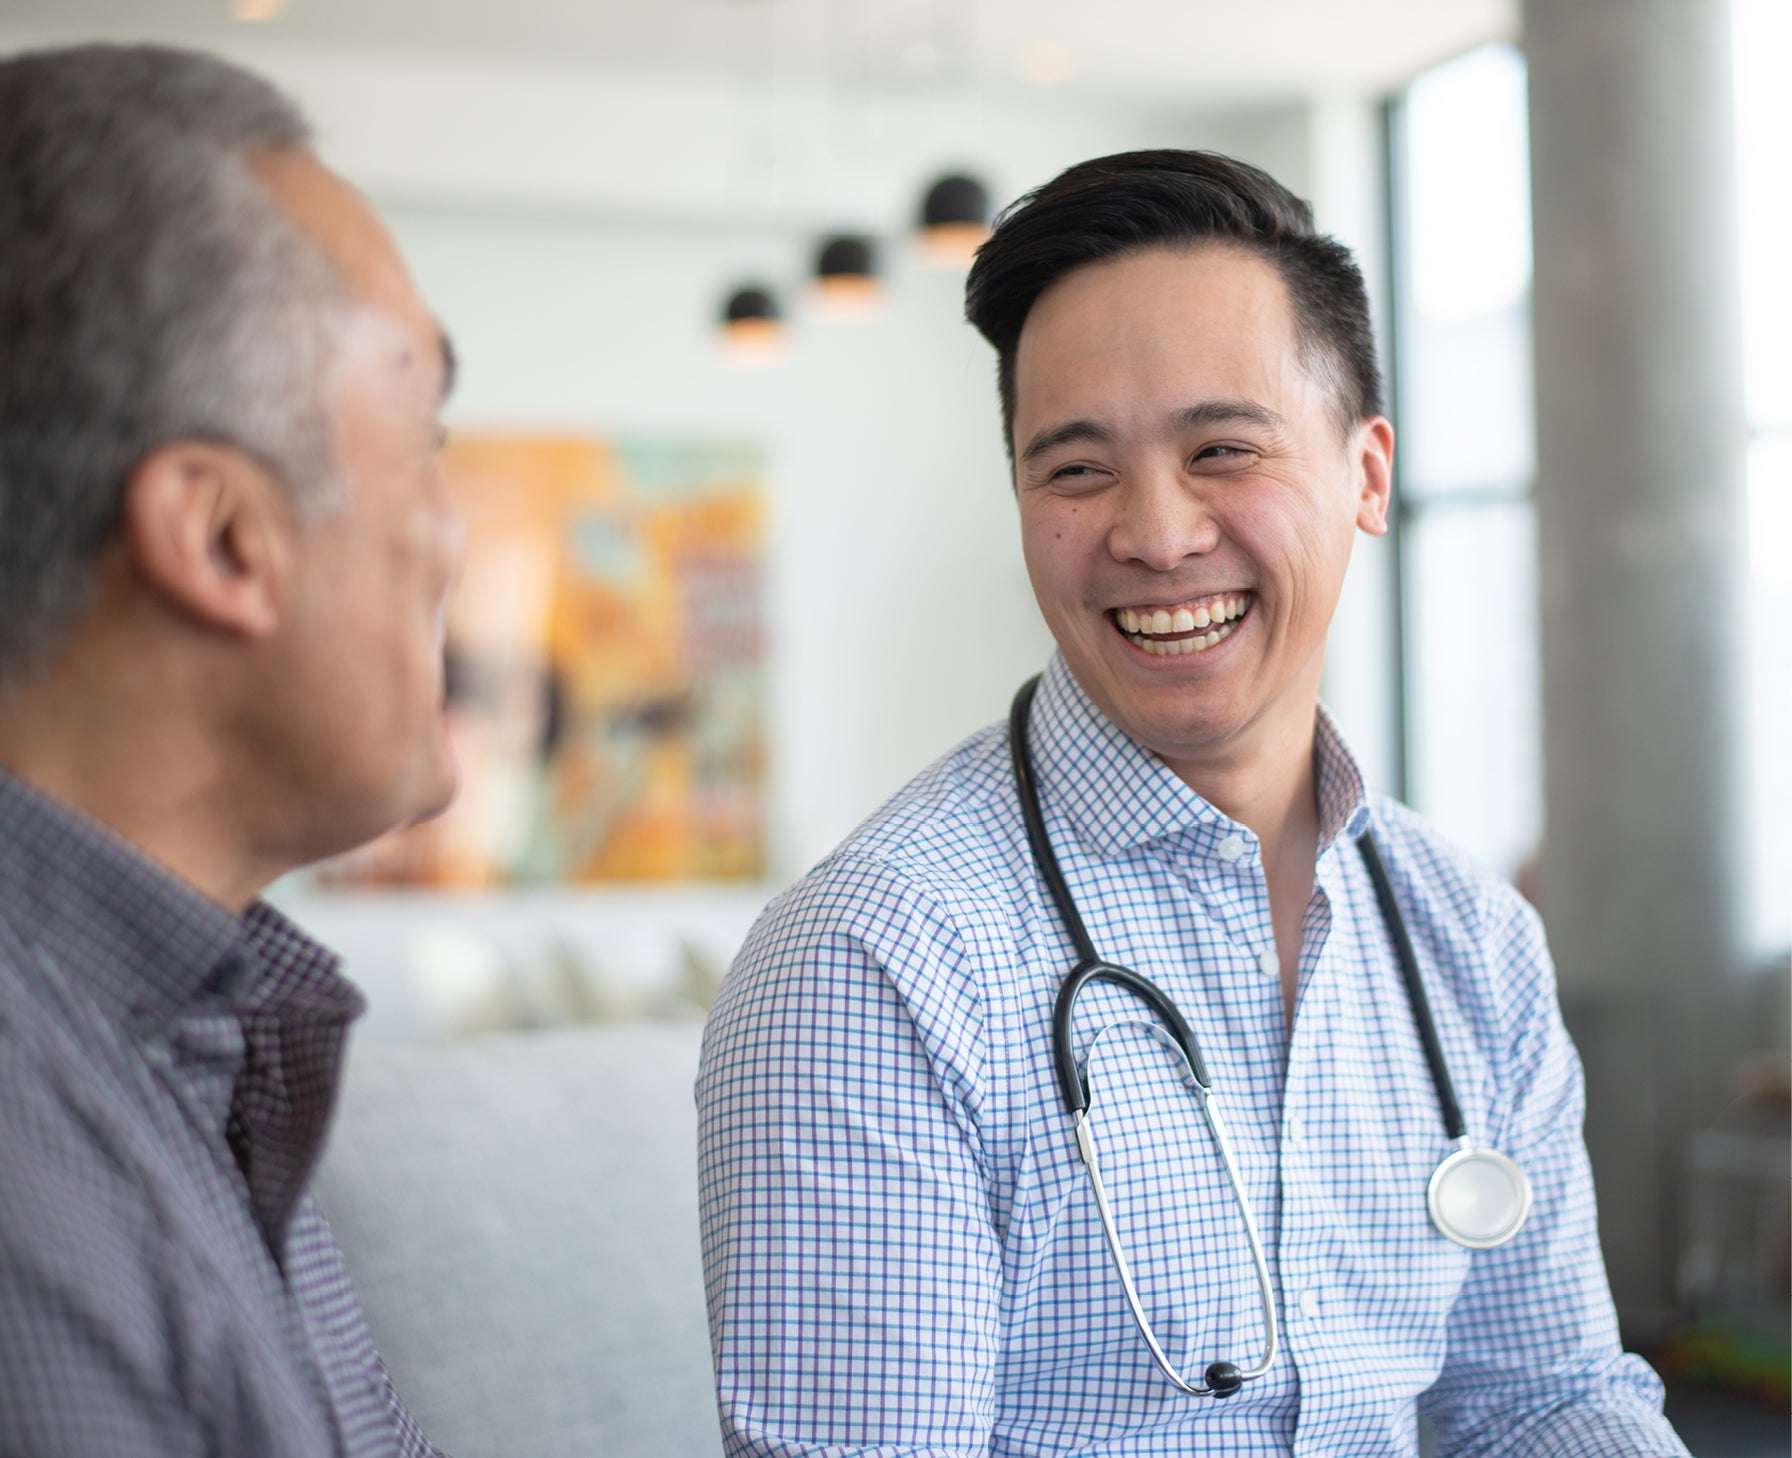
1477,1196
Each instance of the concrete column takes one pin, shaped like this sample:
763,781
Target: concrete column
1639,459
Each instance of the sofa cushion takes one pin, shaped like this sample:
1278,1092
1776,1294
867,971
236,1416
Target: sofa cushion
519,1214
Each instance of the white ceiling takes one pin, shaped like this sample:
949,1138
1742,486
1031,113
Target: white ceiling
1199,53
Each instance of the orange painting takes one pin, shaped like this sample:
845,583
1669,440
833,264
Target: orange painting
606,669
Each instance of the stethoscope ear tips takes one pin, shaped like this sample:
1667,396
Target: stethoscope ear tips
1224,1378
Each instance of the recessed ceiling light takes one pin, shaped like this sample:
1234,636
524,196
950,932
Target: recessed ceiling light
253,10
1047,63
919,62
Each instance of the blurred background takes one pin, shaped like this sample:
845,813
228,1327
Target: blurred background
744,556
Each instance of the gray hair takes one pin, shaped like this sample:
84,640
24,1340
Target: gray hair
151,290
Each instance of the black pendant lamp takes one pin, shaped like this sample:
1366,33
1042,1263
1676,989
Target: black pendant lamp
752,325
954,219
846,282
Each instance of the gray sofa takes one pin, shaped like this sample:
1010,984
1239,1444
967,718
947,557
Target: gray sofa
519,1214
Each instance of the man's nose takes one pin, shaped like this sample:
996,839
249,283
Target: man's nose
1163,517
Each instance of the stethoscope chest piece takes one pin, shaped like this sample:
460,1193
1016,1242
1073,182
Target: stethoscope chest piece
1478,1197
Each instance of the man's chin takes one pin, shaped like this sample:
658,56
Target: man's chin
1170,716
434,798
426,795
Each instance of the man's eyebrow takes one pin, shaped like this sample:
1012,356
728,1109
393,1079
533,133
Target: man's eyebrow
1226,412
1069,433
450,365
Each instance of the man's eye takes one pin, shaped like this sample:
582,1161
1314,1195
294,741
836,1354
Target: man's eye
1223,453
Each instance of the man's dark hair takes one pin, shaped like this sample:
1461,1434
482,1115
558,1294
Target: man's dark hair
1116,206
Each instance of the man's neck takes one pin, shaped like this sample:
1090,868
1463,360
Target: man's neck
108,754
1270,786
1273,790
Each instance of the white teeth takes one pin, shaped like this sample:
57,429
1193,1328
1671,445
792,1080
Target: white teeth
1155,624
1175,647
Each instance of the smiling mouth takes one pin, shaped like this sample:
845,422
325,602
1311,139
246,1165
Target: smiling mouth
1190,627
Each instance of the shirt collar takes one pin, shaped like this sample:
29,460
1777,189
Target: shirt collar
146,946
1343,793
1117,795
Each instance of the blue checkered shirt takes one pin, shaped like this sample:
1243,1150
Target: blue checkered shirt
901,1246
167,1074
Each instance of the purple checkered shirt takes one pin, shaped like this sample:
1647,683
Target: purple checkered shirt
167,1074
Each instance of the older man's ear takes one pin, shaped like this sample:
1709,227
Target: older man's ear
208,531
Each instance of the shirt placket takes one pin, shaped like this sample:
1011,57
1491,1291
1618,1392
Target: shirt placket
1243,1027
1308,1322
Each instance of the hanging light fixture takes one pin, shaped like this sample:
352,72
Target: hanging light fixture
752,326
752,329
846,282
954,219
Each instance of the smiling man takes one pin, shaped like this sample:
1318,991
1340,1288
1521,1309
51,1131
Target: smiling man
225,552
966,1187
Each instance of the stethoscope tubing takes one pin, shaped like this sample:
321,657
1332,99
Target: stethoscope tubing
1455,1127
1075,1087
1085,1141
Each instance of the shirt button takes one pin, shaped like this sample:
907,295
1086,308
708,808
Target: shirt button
1231,848
1295,1131
1268,963
1309,1304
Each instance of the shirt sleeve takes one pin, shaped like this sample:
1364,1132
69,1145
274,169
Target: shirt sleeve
1534,1362
852,1267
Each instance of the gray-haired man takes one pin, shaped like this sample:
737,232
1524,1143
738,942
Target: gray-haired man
224,551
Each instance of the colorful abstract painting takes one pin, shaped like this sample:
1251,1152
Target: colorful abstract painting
606,669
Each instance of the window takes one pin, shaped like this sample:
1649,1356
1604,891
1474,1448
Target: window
1462,398
1763,38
